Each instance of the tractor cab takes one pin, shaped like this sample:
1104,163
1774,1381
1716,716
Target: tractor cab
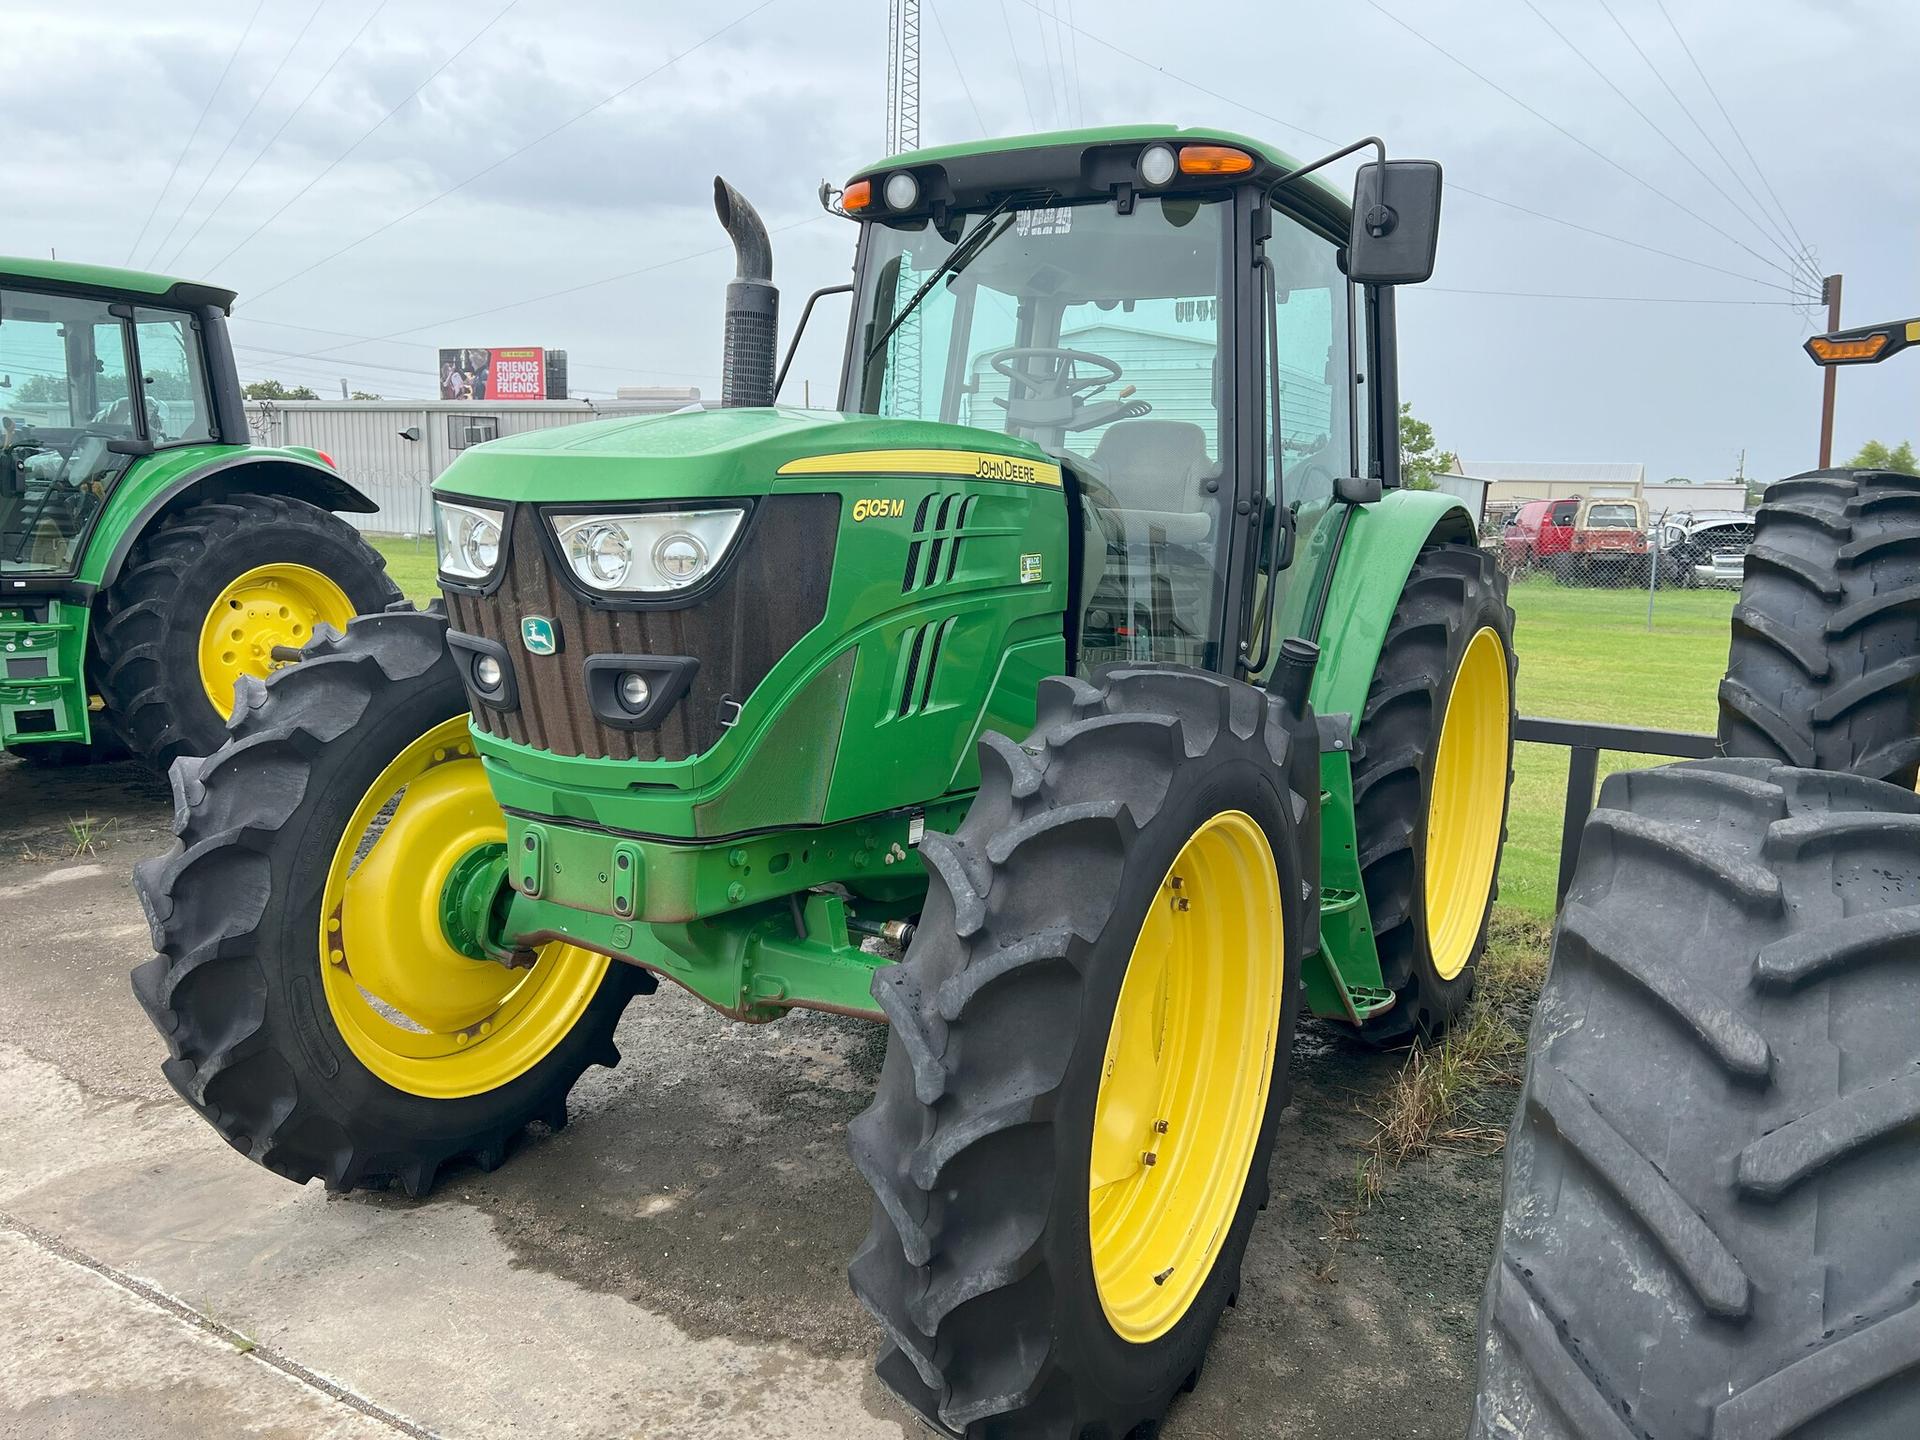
1163,315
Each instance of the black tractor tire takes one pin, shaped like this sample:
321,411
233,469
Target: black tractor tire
147,658
1709,1226
1824,665
1452,592
235,911
978,1265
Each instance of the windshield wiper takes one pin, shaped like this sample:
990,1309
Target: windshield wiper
958,258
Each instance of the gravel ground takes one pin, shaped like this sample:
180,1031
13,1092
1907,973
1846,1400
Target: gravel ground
670,1265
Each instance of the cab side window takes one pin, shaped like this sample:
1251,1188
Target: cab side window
173,378
1312,331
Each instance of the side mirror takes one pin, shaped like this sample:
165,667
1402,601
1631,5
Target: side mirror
1396,222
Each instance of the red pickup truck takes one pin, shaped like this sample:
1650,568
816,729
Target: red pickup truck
1576,540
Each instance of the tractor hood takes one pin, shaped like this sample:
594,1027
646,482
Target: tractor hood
704,453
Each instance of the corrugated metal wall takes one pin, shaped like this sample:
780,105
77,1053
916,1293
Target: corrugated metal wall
369,445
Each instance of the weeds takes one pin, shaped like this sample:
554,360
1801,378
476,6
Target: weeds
1437,1100
85,833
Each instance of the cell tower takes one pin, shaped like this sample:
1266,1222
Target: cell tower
903,76
903,134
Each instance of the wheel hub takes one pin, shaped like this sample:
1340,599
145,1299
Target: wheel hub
265,607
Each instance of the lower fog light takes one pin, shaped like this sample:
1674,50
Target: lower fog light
634,691
487,673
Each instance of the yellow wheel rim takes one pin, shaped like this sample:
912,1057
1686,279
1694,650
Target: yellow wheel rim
1467,803
419,1014
269,605
1183,1086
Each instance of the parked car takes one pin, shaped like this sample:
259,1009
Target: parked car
1705,548
1537,535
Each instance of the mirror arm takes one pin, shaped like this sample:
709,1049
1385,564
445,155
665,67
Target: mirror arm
1379,146
793,345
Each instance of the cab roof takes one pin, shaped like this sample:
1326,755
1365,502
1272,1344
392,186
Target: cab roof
111,280
1311,192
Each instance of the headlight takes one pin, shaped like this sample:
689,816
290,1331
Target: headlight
469,539
652,553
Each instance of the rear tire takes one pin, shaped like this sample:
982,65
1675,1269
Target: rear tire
239,987
1824,665
1452,593
149,628
983,1264
1710,1227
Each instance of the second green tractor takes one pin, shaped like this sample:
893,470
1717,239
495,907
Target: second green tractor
1081,698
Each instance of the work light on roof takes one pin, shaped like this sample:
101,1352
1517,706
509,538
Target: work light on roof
1157,164
902,190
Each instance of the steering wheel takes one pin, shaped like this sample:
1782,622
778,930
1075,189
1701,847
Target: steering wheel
1064,380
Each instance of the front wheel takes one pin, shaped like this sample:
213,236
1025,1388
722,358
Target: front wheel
206,598
317,1015
1088,1058
1432,764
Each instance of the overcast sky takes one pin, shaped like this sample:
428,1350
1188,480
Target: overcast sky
101,96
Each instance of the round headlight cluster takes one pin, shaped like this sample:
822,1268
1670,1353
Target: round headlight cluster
468,537
650,552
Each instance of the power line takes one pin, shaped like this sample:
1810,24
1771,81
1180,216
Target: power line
1745,148
1657,129
1079,94
1453,186
1611,299
265,89
194,134
1584,145
280,130
1712,145
954,56
433,200
1020,73
364,136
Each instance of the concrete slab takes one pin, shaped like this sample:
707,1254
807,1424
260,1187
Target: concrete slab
670,1265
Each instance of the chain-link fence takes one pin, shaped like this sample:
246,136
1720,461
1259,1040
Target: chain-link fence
1620,618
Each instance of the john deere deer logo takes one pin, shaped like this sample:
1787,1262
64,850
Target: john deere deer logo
539,634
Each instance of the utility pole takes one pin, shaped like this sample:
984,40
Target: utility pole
1829,292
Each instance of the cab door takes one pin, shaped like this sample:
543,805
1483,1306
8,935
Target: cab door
1308,317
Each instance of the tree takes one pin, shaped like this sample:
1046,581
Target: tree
1876,456
364,395
1419,461
274,390
42,390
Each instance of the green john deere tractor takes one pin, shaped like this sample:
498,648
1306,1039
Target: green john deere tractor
149,555
737,699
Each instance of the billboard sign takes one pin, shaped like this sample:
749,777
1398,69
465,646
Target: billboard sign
526,372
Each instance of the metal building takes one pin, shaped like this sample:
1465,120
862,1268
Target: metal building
393,450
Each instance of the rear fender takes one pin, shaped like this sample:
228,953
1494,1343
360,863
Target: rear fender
161,483
1376,556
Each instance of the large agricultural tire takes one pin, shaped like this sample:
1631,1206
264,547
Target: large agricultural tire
1710,1228
1012,1305
267,1039
237,557
1824,665
1429,931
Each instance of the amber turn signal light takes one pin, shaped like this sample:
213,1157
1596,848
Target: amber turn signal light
1214,160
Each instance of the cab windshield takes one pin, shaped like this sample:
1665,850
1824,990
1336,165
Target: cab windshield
1097,336
66,397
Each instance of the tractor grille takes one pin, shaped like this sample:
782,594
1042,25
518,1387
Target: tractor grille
773,593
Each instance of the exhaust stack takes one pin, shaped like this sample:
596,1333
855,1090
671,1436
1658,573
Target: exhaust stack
753,304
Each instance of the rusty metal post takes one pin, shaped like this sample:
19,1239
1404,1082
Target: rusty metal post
1829,292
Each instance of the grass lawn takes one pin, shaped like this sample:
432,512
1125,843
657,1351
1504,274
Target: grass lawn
1588,655
1585,654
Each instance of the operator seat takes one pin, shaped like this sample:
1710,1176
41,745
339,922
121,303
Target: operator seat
1157,470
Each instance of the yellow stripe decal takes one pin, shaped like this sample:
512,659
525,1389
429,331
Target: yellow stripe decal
972,464
1913,330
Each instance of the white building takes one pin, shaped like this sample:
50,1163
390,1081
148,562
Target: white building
394,450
